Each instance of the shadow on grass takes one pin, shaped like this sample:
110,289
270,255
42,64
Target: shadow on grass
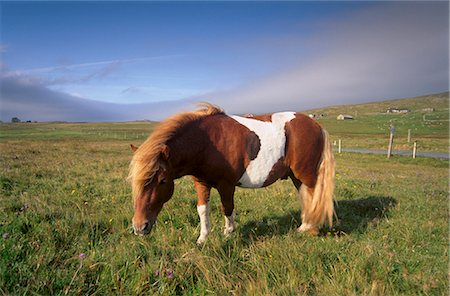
354,216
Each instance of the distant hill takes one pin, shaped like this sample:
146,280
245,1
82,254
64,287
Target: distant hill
439,102
427,116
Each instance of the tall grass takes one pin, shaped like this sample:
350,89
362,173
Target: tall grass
65,226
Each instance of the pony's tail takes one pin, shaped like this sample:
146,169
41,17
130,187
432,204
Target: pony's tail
317,202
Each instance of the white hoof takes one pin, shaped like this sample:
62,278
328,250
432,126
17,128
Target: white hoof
309,228
229,225
228,231
304,227
201,240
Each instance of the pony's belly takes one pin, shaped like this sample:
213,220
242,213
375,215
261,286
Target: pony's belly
250,184
277,173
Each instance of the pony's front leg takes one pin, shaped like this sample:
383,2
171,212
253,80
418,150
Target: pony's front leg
227,199
203,193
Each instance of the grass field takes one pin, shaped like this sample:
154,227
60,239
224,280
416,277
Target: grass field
370,127
65,221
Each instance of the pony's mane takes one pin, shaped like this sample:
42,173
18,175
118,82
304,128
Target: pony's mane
146,160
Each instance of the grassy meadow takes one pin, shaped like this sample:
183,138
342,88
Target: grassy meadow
369,128
65,225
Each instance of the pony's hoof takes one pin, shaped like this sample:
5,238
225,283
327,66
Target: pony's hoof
228,231
201,240
308,228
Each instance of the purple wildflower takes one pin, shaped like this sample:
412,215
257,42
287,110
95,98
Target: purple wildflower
82,256
157,272
170,274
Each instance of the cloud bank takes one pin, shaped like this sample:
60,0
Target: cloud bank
26,98
381,53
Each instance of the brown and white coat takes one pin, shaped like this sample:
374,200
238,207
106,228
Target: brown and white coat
223,151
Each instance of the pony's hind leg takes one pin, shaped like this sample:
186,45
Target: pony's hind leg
305,195
203,193
310,223
316,191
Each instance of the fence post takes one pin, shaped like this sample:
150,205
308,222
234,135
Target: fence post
414,149
391,141
339,146
409,135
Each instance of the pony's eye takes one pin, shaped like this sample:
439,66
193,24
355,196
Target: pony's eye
163,181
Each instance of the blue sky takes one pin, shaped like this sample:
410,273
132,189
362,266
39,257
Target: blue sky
135,60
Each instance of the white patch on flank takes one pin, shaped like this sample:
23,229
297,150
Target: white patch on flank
272,137
203,213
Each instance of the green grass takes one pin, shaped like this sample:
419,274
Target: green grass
63,193
370,126
128,131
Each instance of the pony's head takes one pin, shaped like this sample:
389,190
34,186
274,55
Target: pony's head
151,190
150,170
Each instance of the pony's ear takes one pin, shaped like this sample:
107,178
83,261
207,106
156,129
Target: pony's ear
165,151
133,148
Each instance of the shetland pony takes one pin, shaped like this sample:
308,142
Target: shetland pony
223,151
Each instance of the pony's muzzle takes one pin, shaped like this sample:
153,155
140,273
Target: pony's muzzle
143,228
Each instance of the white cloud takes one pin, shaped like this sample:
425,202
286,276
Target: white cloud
95,64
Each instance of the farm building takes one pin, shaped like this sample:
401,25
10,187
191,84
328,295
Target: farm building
312,115
344,117
397,110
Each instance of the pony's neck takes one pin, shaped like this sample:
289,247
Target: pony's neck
186,151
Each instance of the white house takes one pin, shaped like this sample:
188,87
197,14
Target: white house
344,117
